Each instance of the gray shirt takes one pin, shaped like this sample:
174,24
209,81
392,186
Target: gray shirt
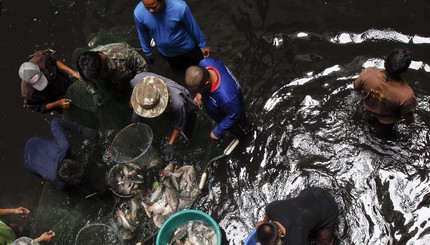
180,101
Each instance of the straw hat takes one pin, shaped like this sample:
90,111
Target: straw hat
150,97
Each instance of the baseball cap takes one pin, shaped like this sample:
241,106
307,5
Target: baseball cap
150,97
31,74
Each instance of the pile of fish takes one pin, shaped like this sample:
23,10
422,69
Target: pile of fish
127,218
176,191
194,233
125,179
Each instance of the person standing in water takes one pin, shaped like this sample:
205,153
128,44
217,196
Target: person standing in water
385,94
176,33
221,95
311,216
154,95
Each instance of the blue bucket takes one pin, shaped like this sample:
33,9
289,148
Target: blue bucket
252,238
182,217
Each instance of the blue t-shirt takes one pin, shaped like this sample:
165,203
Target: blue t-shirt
42,155
174,29
225,105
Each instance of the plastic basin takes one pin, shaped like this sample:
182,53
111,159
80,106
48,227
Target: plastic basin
183,217
252,238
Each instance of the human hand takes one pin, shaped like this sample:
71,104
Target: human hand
213,136
21,211
170,152
206,52
76,75
199,101
97,100
64,103
45,237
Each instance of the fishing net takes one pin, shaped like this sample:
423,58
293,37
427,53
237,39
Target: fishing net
80,96
98,233
116,34
127,34
125,179
134,144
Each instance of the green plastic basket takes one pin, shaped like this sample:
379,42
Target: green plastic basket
183,217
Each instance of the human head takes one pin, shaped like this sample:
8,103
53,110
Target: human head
70,171
150,97
31,74
90,65
197,78
268,233
397,61
154,6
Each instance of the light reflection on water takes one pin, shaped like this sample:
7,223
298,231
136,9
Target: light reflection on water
324,140
308,130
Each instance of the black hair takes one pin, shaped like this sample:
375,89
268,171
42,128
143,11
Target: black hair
196,77
267,233
397,61
70,171
89,66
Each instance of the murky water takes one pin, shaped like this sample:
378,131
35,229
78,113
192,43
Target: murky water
296,61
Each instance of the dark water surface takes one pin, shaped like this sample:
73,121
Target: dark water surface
296,61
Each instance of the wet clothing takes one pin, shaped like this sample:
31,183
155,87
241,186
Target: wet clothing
181,62
181,106
58,83
225,105
42,156
123,63
387,100
174,29
7,235
313,210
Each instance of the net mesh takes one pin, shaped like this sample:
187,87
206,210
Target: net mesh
98,233
71,213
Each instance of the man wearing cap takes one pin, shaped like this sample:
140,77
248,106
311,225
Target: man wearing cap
175,31
45,81
154,94
221,95
311,216
110,64
48,158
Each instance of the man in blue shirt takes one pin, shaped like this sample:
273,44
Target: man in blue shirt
154,95
175,31
48,157
221,95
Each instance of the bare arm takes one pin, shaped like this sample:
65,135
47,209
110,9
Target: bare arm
173,136
45,237
20,211
63,103
63,67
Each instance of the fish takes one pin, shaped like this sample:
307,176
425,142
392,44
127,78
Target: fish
122,220
128,180
178,235
156,194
